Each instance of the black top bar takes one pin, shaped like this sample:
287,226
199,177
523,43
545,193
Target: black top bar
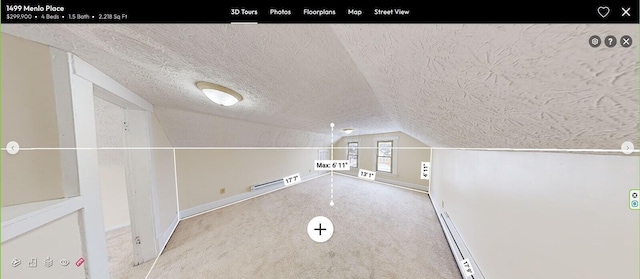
189,11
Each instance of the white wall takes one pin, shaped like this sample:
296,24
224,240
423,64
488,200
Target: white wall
542,215
201,173
113,186
113,183
29,117
407,160
59,239
165,175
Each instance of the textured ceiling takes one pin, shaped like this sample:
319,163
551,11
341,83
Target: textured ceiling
521,86
291,76
525,86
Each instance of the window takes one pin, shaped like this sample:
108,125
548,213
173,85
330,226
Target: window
383,158
352,154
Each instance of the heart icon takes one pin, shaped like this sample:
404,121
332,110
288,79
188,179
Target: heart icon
603,11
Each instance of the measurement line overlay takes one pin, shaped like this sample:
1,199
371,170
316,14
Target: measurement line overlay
322,148
332,164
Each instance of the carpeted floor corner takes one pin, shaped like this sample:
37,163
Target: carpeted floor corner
120,252
379,232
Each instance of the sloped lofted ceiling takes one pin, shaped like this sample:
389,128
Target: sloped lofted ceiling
518,86
502,86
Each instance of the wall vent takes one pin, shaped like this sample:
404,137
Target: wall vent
458,248
266,184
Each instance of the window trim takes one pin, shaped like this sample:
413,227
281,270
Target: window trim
390,157
394,155
357,153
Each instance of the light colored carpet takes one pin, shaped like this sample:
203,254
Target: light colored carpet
120,252
379,232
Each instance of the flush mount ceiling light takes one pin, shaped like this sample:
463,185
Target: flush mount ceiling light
347,130
219,94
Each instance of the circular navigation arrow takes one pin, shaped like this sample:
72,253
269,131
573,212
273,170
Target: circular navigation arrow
13,148
627,147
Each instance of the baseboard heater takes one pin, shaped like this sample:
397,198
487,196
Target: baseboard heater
459,249
266,184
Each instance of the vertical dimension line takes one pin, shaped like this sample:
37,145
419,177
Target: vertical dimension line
332,125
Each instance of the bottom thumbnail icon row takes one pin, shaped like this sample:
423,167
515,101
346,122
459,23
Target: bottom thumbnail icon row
48,262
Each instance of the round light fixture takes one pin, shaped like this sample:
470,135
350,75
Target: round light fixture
347,130
219,94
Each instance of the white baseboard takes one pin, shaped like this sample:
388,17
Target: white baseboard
403,184
203,208
422,188
164,238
